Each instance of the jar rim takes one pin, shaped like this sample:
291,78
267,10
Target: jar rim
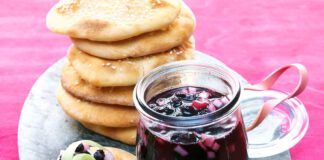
145,110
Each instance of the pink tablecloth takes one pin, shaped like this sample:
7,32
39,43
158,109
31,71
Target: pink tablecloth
253,37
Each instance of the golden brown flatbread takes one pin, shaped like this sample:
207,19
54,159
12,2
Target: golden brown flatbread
96,113
120,154
125,72
154,42
111,20
81,89
125,135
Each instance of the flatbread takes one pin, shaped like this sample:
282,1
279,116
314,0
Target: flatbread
71,152
121,154
126,72
96,113
111,20
81,89
125,135
154,42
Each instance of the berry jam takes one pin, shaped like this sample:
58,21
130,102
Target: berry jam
188,101
205,147
224,141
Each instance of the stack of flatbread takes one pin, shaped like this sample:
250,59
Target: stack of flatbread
116,42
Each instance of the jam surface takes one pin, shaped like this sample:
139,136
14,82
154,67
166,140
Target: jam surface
188,101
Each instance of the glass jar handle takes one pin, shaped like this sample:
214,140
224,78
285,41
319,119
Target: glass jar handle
268,82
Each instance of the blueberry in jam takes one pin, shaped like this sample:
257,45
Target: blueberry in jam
188,101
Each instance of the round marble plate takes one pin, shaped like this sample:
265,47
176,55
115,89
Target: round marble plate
44,129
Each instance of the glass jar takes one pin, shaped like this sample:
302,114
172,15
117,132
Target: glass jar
217,135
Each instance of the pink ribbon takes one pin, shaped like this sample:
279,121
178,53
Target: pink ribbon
268,82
